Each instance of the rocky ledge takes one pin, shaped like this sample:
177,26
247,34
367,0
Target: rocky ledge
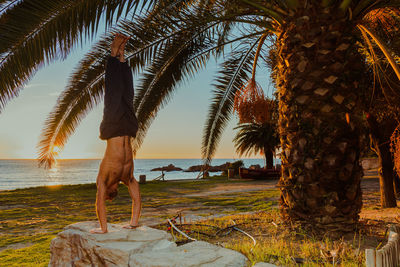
144,246
169,168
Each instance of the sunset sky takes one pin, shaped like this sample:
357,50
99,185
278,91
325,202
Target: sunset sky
175,133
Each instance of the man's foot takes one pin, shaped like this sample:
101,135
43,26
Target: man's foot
121,50
118,40
128,226
97,231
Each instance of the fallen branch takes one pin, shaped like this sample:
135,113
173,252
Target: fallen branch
179,231
240,230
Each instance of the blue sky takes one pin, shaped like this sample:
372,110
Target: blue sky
175,133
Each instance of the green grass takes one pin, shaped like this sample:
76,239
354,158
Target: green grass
31,217
37,254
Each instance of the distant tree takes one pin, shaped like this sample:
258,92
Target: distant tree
255,138
233,165
382,103
395,149
257,129
382,117
381,130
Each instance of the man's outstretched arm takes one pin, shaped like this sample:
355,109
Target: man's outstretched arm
134,192
101,209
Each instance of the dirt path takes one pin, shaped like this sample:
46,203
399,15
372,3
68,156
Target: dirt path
371,201
246,186
194,211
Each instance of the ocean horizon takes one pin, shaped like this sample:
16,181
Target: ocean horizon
25,173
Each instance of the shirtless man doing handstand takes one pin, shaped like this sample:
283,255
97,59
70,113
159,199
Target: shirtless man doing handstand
118,126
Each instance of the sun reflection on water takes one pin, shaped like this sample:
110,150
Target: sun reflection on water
53,173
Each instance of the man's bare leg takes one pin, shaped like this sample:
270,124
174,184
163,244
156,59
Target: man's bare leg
110,172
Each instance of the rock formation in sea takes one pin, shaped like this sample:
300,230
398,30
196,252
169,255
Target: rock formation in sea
168,168
217,168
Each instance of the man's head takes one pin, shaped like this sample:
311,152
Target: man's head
112,192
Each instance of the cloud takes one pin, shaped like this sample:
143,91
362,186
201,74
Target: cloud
31,85
56,93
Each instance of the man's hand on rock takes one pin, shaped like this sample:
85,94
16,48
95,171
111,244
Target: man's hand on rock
98,231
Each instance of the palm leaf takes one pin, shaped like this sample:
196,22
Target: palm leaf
155,91
182,59
233,75
269,9
252,138
86,84
44,35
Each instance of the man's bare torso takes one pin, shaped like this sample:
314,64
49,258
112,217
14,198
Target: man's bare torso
117,161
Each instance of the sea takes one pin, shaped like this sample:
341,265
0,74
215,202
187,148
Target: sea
24,173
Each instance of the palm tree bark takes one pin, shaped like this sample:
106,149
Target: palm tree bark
396,181
319,71
380,134
269,157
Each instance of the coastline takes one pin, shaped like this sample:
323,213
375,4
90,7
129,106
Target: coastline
25,173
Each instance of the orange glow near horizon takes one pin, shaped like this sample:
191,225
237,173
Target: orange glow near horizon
56,150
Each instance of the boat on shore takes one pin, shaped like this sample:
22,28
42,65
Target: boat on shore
260,174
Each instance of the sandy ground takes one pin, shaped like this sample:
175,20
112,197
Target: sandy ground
191,212
246,186
371,201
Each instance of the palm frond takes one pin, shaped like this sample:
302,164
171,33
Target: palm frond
385,50
233,75
386,4
86,85
364,6
25,19
253,138
268,8
38,32
385,23
6,4
60,125
167,71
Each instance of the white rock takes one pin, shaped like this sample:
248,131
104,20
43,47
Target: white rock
144,246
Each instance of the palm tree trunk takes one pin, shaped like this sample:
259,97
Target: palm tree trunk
269,157
319,69
380,134
396,181
386,179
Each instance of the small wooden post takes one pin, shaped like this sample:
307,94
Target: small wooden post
142,179
370,257
231,172
379,258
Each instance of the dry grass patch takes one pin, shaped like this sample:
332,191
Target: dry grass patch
276,242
